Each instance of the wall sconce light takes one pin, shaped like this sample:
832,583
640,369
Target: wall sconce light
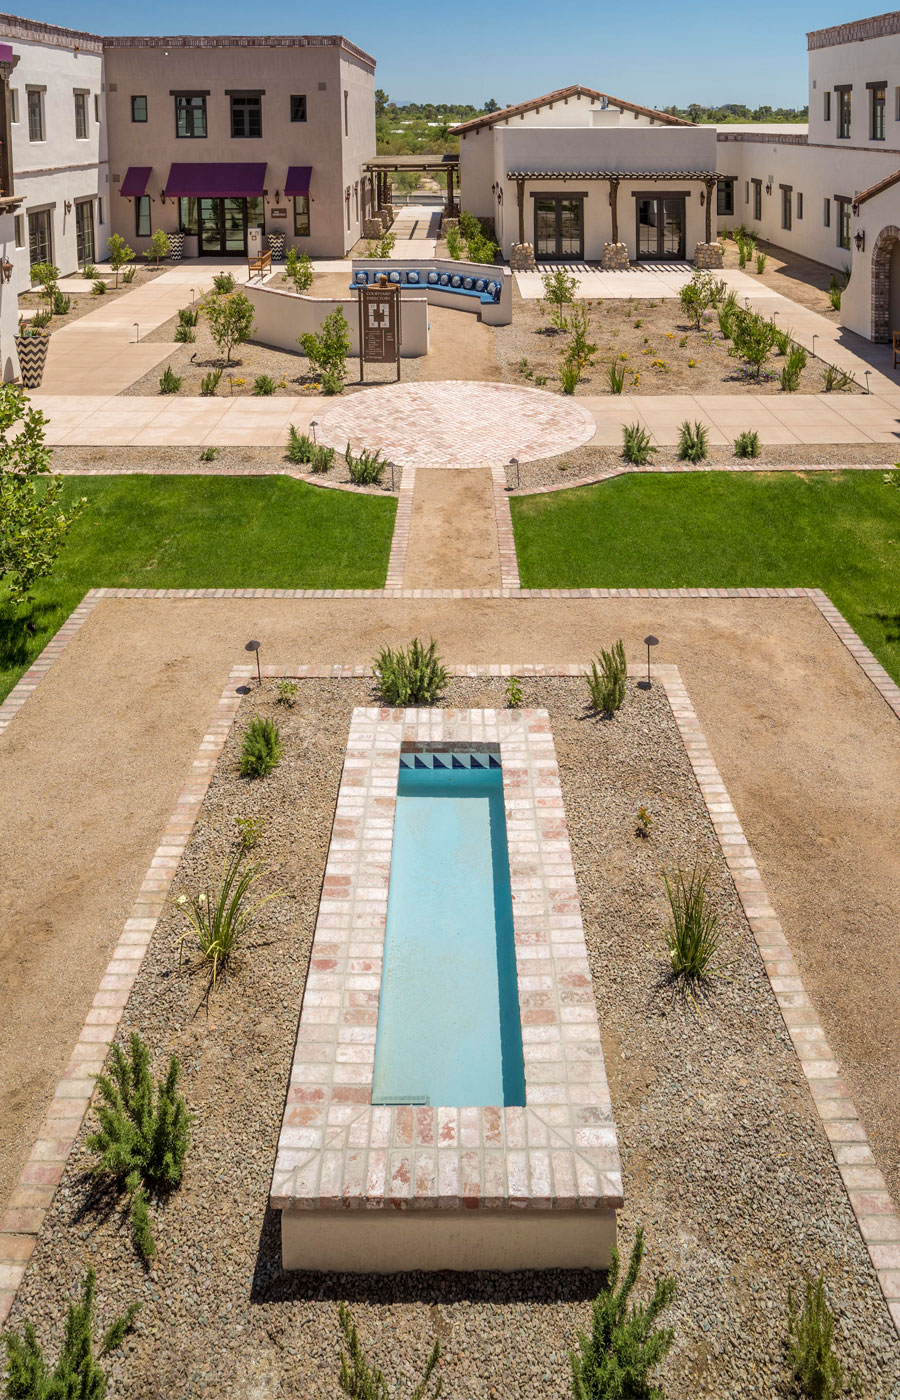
162,195
769,185
6,268
277,193
860,240
702,198
68,204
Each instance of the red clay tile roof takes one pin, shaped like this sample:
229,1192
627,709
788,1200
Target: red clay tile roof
877,188
562,95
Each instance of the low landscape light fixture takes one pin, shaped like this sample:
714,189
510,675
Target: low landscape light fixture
514,462
6,268
860,239
649,642
867,373
815,338
312,427
254,647
137,332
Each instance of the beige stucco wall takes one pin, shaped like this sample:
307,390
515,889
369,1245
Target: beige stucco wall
866,61
280,317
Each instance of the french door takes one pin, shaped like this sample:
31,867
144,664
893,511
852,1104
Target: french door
660,228
222,226
559,228
84,232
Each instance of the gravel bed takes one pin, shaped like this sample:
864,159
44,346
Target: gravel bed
588,461
180,461
82,303
725,1164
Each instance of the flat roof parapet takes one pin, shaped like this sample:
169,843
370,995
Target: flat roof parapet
855,32
56,36
236,41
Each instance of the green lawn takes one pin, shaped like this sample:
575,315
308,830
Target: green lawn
835,531
203,532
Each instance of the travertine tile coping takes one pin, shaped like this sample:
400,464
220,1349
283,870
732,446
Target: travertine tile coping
337,1150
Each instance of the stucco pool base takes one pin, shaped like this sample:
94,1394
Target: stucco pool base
394,1241
457,424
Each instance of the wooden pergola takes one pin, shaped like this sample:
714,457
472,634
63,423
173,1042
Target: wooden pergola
709,178
380,168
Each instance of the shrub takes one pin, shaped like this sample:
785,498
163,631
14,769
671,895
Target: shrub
569,374
327,351
89,271
99,288
62,304
783,341
811,1353
834,294
480,247
693,442
159,246
129,274
726,321
382,246
298,271
189,315
793,368
118,254
41,318
248,831
615,1361
367,469
223,283
581,350
46,275
513,690
694,933
616,377
636,445
754,339
454,243
747,444
361,1381
702,292
220,916
836,380
644,823
264,386
412,675
559,292
209,454
299,447
144,1133
230,316
210,383
169,381
287,693
76,1373
760,262
321,459
185,335
606,682
261,751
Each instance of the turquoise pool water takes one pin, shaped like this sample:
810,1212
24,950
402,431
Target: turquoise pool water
448,1021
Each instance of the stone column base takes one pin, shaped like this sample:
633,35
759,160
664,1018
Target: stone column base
373,228
386,215
448,221
708,256
521,257
615,257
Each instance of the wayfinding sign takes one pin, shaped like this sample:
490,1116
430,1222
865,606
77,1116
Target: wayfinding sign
379,325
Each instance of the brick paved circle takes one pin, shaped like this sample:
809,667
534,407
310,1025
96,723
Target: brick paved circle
457,424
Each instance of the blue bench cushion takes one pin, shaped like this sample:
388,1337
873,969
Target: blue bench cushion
487,289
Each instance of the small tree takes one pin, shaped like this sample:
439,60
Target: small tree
230,316
615,1362
46,276
298,270
559,290
33,523
76,1374
159,246
327,351
118,253
753,340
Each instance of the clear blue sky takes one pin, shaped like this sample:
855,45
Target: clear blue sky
652,52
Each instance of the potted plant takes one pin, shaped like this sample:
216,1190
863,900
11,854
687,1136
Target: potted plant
31,347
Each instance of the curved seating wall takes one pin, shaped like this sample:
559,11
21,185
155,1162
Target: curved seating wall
485,290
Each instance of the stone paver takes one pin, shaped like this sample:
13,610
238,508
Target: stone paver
416,229
652,280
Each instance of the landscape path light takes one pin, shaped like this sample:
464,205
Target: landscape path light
313,425
137,332
514,462
254,647
649,642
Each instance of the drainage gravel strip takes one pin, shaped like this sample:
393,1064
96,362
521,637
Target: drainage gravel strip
725,1163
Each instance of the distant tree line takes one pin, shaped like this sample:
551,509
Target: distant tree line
737,112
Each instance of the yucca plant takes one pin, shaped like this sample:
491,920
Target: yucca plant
606,681
615,1361
219,916
811,1353
185,335
261,751
62,304
794,367
76,1375
129,275
636,445
694,932
616,377
143,1134
760,263
837,381
189,316
169,381
210,383
693,442
411,675
98,288
747,444
360,1381
299,447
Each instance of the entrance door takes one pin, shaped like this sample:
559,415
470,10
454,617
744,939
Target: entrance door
84,232
559,228
660,228
222,227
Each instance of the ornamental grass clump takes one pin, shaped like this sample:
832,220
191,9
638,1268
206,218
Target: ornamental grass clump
636,445
210,383
261,751
694,932
616,378
360,1381
693,442
747,444
143,1135
606,681
625,1344
220,915
814,1362
411,675
794,367
76,1375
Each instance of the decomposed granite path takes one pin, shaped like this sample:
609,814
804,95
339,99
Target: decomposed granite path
453,533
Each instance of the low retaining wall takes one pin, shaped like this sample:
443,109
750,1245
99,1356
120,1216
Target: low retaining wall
497,313
281,316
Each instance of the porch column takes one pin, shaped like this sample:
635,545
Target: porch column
710,187
449,191
520,195
614,208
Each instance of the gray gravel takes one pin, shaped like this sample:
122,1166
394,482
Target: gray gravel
178,461
724,1161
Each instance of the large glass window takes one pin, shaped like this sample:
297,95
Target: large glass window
298,107
301,215
190,115
844,114
138,109
256,214
84,232
246,116
187,215
81,116
40,237
725,197
142,216
878,100
35,115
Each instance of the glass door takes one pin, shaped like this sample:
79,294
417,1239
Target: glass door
647,230
84,232
211,237
571,238
673,228
559,228
234,225
660,228
545,228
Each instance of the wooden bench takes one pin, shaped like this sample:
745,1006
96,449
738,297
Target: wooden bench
259,265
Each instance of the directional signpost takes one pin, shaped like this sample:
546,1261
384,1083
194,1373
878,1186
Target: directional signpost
379,325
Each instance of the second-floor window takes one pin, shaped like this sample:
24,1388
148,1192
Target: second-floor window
81,116
786,193
878,102
190,115
246,116
298,107
843,238
13,105
35,116
826,106
844,114
138,109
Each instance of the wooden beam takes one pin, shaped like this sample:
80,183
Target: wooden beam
520,195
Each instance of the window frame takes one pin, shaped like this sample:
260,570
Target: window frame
787,207
240,107
826,213
757,199
826,105
42,218
34,102
82,127
845,112
845,215
299,97
799,204
140,97
14,106
877,111
725,187
299,216
82,256
19,230
141,207
185,105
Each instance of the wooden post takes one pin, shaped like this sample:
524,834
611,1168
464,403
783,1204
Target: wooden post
520,195
449,191
362,360
710,186
614,208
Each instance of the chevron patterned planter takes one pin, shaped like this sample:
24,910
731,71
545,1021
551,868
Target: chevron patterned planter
32,352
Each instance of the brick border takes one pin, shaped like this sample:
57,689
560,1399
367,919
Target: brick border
38,669
880,296
506,540
675,468
402,522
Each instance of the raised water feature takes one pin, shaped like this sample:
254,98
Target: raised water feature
448,1105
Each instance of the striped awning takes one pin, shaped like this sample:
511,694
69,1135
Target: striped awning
135,182
613,175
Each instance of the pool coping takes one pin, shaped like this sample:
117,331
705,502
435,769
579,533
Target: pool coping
337,1150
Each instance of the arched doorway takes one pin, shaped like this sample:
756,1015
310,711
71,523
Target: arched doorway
886,284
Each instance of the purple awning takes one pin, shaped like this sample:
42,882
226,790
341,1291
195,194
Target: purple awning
297,181
135,182
216,180
6,53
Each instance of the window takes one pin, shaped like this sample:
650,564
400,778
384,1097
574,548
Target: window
746,191
84,232
35,114
346,113
187,215
81,116
843,239
301,216
14,104
190,115
826,214
826,106
799,206
844,114
142,216
298,107
757,198
20,231
246,116
138,109
97,108
725,197
99,211
786,203
877,104
40,237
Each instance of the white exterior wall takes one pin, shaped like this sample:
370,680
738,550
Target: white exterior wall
868,61
281,316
